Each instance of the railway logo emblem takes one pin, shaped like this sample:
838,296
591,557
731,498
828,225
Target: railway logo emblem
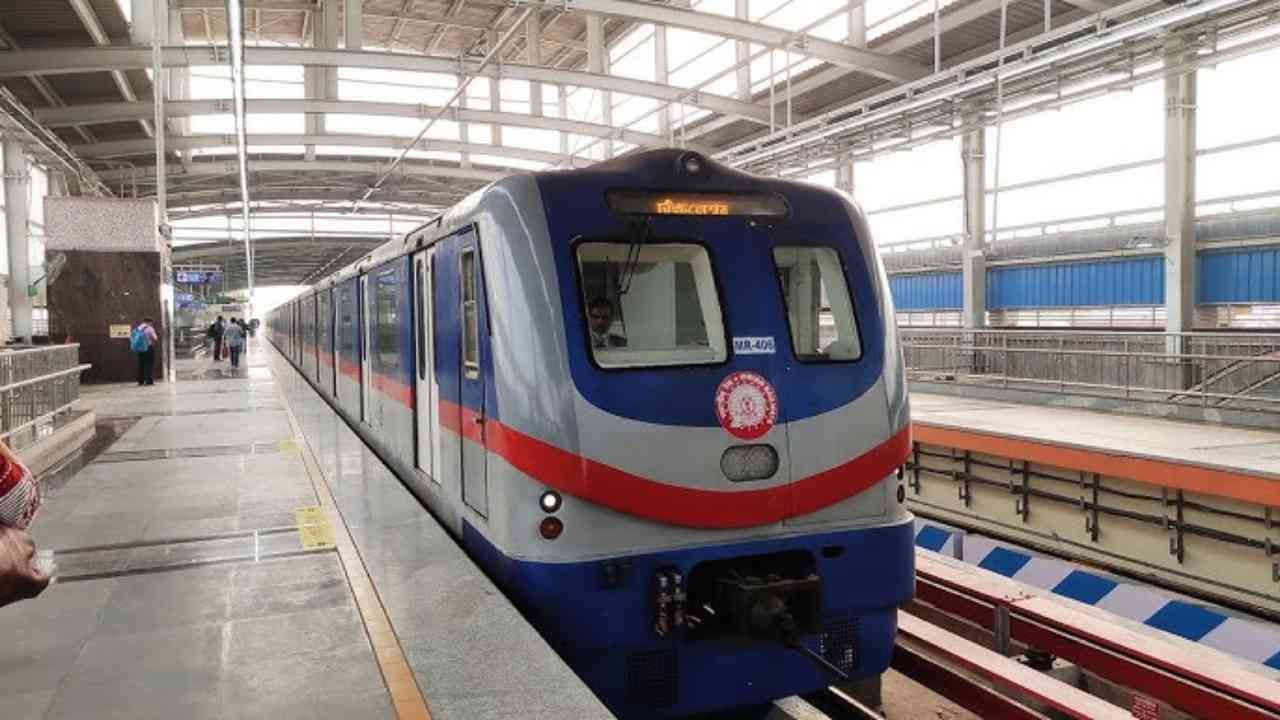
746,405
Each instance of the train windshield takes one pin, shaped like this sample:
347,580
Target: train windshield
819,311
650,304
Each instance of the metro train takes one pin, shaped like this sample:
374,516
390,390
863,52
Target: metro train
661,402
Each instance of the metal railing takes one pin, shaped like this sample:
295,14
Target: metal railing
1212,370
38,384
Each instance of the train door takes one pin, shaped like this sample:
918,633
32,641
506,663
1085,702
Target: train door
473,334
366,370
428,392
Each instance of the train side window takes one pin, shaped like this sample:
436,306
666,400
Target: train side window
346,333
420,321
387,325
651,305
819,311
470,317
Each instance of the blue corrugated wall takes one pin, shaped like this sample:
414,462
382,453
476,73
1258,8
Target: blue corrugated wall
1239,275
1122,281
1235,275
927,291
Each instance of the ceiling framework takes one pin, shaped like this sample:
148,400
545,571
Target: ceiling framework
85,93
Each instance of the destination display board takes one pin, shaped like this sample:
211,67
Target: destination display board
701,204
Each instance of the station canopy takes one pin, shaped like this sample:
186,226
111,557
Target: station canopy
336,91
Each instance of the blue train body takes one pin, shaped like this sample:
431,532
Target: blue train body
660,402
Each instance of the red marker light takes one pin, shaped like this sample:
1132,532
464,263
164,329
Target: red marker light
550,528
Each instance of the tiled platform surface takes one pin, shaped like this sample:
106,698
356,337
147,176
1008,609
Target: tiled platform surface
185,590
1201,444
473,655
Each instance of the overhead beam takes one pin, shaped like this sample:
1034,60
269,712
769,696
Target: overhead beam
293,6
42,86
229,167
951,19
93,26
73,60
125,148
847,56
265,246
119,112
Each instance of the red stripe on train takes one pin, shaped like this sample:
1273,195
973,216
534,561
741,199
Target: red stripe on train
693,507
393,389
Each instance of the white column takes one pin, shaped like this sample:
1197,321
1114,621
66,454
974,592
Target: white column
495,92
329,30
844,173
858,25
352,21
464,128
742,51
562,101
598,63
179,87
533,52
142,26
1180,193
16,204
662,75
973,261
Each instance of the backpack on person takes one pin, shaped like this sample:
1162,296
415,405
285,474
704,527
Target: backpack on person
138,340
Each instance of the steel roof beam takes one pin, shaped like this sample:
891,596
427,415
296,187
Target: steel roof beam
77,60
228,167
951,19
92,25
219,248
124,148
837,53
118,112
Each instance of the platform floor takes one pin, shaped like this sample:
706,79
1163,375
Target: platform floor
190,585
1244,450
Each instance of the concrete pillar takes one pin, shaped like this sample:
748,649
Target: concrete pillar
562,103
495,91
329,36
533,52
1180,193
179,87
142,26
598,63
973,261
844,173
858,25
464,128
352,21
17,179
662,75
742,51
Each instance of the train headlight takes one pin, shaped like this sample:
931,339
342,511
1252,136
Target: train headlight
550,501
550,528
749,462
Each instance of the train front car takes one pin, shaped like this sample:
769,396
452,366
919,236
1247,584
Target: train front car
716,485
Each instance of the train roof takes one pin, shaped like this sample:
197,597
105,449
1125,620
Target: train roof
649,169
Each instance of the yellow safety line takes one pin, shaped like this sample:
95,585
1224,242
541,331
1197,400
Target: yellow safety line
406,696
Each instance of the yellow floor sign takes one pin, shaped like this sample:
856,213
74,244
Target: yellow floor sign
313,527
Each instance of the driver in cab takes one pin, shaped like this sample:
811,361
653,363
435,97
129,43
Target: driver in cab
600,317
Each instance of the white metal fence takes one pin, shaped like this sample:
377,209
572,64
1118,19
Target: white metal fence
37,385
1213,370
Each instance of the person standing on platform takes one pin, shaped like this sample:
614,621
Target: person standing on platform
233,336
142,341
20,577
215,334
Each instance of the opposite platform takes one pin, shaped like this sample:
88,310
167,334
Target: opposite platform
1192,506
